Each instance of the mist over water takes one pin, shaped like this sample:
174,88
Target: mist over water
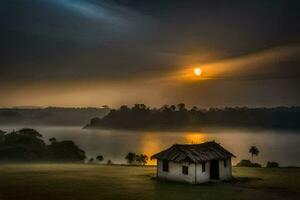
279,146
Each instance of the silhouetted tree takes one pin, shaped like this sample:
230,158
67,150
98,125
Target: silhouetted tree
100,158
142,159
95,121
52,140
91,160
24,144
109,162
27,144
130,157
173,108
247,163
30,132
253,151
181,107
50,115
2,133
272,164
124,108
142,117
64,151
194,109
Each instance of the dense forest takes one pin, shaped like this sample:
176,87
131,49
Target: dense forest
50,115
28,145
179,117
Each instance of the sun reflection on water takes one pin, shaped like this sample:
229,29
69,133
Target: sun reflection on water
150,144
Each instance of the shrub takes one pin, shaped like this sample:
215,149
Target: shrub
100,158
247,163
272,164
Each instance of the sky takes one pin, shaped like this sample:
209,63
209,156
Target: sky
113,52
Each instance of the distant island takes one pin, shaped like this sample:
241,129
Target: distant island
171,117
49,116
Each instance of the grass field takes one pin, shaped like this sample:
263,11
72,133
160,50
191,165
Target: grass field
87,182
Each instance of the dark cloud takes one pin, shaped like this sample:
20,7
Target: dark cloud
89,39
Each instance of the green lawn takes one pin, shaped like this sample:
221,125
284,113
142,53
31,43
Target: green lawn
85,182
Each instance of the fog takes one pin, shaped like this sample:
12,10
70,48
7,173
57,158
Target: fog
279,146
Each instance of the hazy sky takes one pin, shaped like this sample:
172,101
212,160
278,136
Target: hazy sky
95,52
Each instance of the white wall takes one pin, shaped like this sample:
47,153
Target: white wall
203,177
175,171
225,173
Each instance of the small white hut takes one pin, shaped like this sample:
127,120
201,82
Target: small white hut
196,163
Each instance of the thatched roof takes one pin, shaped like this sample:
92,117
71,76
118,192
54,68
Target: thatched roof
194,152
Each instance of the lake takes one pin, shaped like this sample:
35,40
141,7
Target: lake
280,146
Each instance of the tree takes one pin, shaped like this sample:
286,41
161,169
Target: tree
142,159
64,151
139,107
52,140
29,132
2,133
253,151
130,157
24,144
194,109
109,162
141,116
124,108
91,160
181,107
247,163
105,106
173,108
100,158
27,144
95,121
272,164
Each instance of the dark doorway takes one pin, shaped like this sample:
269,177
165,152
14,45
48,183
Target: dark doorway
165,165
214,169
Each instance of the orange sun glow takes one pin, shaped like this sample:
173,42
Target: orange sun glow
197,71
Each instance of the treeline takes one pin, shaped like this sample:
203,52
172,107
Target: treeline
137,159
131,158
50,115
28,145
141,116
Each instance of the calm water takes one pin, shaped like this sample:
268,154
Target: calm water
279,146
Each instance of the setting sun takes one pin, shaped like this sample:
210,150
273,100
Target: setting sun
197,71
